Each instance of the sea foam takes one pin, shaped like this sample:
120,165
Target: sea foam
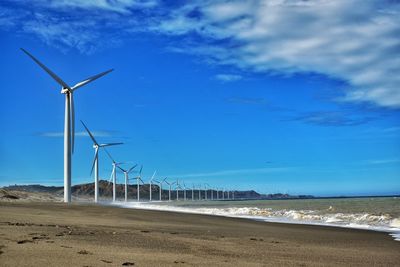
366,221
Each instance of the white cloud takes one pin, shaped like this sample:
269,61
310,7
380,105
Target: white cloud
228,77
356,41
353,40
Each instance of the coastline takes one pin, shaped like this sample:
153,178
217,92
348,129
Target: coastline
394,232
93,235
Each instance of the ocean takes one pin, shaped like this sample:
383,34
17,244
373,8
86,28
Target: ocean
372,213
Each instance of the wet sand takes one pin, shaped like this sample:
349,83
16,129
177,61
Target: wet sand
55,234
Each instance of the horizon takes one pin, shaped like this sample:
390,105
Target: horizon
208,92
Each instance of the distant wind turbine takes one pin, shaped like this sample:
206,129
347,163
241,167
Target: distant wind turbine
95,164
151,184
113,173
69,120
184,192
160,188
138,180
170,187
126,174
178,186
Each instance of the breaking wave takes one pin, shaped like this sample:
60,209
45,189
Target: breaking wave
375,222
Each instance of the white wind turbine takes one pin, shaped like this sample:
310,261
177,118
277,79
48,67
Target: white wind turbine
170,187
95,164
69,120
126,174
113,174
205,191
160,188
184,192
177,189
211,191
138,180
200,192
151,184
193,192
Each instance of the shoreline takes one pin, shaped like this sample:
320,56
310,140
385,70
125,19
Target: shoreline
93,235
391,231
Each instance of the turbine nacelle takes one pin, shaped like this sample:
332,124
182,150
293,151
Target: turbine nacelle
65,90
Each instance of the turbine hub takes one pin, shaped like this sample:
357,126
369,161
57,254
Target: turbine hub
64,90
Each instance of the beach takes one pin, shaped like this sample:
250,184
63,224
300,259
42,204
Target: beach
57,234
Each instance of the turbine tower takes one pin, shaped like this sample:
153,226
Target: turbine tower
160,188
193,192
126,174
170,186
184,192
95,164
151,180
138,180
113,174
177,189
69,120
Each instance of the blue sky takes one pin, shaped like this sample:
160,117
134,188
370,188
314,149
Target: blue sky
292,96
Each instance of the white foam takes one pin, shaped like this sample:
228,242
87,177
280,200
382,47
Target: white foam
382,223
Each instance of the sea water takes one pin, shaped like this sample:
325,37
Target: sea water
374,213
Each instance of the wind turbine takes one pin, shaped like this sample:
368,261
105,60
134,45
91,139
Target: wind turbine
217,193
199,192
126,174
223,194
193,192
205,191
211,191
113,173
169,191
184,192
138,180
151,180
69,120
95,164
177,189
160,188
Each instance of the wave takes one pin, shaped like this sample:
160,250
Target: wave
366,221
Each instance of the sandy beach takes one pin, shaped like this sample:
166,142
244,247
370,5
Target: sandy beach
55,234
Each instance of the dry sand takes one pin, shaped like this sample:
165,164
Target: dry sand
55,234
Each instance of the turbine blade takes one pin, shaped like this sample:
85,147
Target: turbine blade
90,79
140,172
46,69
153,175
72,110
94,161
111,176
132,168
110,144
90,134
121,169
109,155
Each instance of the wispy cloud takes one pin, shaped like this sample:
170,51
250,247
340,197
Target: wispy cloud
228,77
355,41
78,134
232,172
383,161
331,118
352,40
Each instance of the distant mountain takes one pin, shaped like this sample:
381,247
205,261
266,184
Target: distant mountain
105,191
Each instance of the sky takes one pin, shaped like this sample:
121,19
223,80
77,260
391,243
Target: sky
292,96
